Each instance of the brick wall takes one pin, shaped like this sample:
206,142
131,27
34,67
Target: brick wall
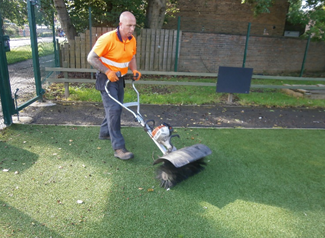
205,52
229,16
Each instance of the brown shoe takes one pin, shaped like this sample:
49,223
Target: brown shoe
104,137
123,154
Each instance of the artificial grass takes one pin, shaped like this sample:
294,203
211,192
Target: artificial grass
258,183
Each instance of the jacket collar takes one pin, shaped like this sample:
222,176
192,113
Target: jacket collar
119,34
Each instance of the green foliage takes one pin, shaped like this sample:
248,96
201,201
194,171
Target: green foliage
259,6
105,13
10,29
14,10
312,14
44,11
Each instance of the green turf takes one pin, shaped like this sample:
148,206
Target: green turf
258,183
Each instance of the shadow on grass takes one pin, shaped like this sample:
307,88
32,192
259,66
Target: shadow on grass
251,177
18,224
15,158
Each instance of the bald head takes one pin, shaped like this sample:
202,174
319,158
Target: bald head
127,24
125,16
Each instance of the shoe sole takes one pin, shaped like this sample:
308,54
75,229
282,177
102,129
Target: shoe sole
126,158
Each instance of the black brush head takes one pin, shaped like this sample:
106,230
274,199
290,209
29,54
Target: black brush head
169,175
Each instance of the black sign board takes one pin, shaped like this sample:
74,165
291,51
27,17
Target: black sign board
234,80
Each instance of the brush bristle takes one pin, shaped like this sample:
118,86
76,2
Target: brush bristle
169,175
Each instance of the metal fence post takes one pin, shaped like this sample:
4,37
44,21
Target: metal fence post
7,102
36,65
305,56
33,39
246,44
56,56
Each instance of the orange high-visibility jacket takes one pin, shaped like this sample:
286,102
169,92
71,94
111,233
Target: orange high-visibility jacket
115,53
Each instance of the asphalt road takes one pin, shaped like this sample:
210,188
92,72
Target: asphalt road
26,41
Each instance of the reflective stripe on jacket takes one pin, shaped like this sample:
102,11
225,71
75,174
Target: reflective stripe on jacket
115,53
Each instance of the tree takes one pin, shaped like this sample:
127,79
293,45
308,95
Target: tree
311,13
150,13
155,16
104,12
73,14
65,20
14,10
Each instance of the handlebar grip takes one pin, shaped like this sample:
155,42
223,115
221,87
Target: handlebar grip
118,74
135,77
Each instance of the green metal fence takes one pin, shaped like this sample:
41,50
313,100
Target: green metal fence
23,66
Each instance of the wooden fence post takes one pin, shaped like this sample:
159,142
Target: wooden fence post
77,49
66,85
72,54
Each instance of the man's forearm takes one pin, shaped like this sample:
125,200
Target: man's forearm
94,61
133,64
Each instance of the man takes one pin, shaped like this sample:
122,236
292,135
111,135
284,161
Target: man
115,52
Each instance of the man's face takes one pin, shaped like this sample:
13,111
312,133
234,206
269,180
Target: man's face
127,26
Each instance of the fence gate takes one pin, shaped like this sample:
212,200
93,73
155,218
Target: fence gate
21,83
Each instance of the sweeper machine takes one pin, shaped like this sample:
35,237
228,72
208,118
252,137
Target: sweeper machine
177,164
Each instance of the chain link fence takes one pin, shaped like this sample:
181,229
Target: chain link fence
20,64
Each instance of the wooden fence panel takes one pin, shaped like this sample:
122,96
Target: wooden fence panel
93,35
66,53
77,49
152,48
147,52
72,62
156,60
143,49
98,31
165,50
138,51
155,49
161,51
83,54
88,46
170,50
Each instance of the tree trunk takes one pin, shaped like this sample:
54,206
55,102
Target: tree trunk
155,14
69,29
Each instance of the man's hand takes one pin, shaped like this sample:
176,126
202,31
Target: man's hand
136,75
111,75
